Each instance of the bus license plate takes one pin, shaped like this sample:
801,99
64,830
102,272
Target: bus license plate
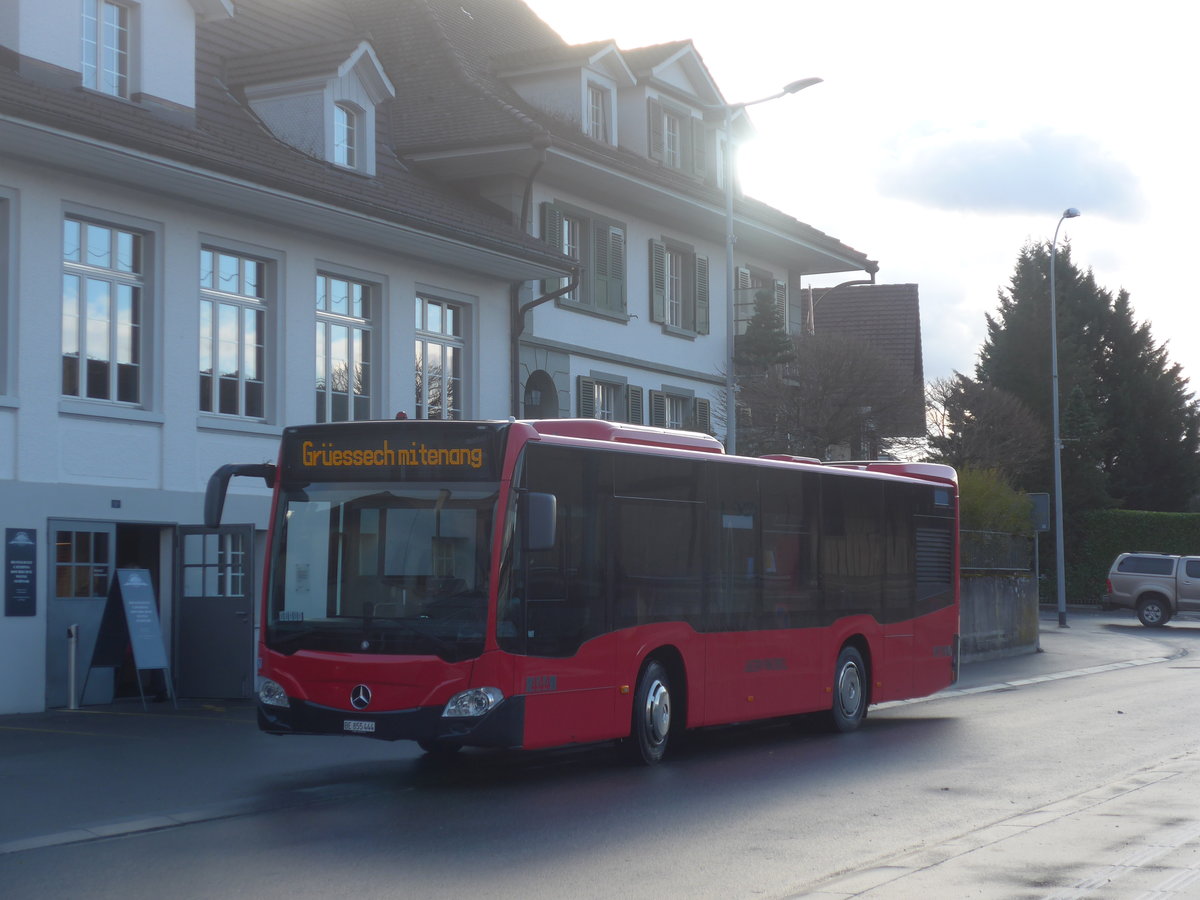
358,727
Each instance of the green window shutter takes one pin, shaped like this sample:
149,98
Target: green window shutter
658,281
600,264
702,302
781,301
658,409
552,234
655,129
633,405
608,266
552,224
616,268
702,415
585,400
699,148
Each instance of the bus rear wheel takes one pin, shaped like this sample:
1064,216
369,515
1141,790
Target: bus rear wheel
849,691
651,727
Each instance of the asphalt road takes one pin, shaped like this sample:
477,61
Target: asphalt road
1049,782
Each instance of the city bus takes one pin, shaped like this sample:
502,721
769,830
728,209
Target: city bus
533,584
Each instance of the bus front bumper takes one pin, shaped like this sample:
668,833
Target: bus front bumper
503,726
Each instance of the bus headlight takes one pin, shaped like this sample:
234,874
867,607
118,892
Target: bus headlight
270,693
473,702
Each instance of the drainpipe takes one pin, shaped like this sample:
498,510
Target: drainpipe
517,328
518,311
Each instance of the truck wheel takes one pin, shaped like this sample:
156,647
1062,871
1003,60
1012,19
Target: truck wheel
1153,612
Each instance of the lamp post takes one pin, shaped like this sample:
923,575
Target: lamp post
730,240
1060,573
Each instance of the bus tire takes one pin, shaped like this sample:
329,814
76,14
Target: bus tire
651,727
849,691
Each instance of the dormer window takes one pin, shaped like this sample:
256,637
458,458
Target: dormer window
106,29
672,140
321,101
677,138
345,135
599,113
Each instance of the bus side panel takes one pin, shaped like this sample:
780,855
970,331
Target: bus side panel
571,700
892,676
936,651
759,674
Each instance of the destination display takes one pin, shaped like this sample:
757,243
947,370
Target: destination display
400,451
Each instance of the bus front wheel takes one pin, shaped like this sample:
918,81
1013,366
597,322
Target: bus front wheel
651,714
849,691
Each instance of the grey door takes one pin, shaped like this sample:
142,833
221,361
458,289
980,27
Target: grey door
215,623
81,567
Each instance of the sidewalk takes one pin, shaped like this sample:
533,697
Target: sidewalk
69,776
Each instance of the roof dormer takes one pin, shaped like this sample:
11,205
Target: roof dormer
320,100
579,84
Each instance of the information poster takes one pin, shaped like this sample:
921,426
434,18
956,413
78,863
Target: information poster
20,572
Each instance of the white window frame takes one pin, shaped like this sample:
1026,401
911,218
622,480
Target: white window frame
107,49
346,137
598,119
345,334
235,301
439,337
104,315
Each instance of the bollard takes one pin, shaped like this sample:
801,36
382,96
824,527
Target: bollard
72,647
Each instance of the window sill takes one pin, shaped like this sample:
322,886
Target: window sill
620,318
233,425
675,331
98,409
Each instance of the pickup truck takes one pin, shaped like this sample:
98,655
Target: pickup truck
1155,585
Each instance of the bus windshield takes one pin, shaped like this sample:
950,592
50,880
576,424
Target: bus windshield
399,571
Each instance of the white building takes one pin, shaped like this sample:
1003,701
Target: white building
191,190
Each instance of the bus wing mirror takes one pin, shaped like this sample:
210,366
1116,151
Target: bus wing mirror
541,516
218,484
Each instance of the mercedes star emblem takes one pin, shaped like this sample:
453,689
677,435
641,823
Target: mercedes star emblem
360,697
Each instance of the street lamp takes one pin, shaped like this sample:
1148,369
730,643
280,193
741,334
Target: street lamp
1069,213
730,240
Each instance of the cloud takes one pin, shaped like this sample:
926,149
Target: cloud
985,172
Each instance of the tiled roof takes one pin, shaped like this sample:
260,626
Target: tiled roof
289,62
444,55
227,138
886,316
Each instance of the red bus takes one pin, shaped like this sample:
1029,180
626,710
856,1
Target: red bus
534,584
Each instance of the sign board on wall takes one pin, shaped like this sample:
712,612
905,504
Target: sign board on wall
20,572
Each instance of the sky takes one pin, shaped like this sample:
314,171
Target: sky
948,135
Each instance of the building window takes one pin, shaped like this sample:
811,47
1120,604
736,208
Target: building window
749,282
598,245
608,398
672,141
345,136
680,410
106,47
102,312
678,139
679,289
233,312
343,349
599,114
440,358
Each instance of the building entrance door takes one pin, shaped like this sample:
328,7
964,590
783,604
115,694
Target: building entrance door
81,567
215,624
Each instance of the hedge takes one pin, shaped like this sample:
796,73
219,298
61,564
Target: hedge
1105,533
